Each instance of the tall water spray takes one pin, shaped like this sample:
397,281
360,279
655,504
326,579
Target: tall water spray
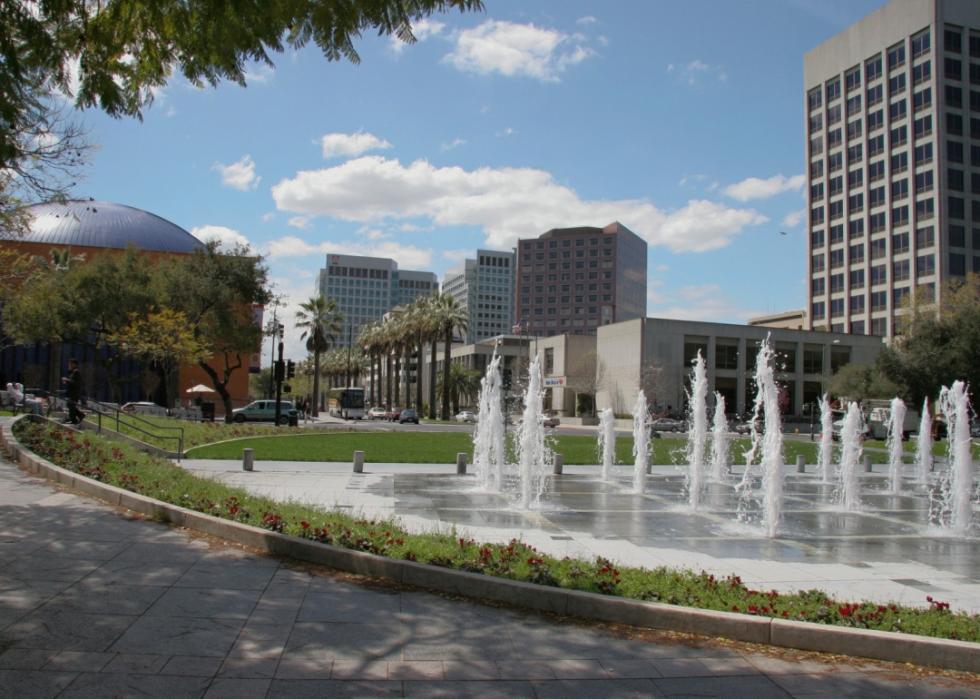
533,455
607,441
641,441
770,443
923,445
719,440
954,511
896,430
825,453
488,437
697,431
847,494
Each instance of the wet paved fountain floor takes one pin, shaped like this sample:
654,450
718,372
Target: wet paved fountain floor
885,553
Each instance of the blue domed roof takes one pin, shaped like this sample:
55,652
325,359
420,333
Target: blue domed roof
102,224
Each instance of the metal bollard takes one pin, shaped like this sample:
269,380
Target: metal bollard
358,462
800,464
248,459
649,469
559,464
461,463
867,465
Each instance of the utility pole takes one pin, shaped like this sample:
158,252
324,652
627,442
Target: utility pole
279,373
276,328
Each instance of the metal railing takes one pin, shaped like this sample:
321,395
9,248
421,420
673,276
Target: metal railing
113,415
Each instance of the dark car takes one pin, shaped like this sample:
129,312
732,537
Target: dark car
408,415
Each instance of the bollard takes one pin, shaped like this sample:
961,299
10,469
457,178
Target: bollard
649,468
867,465
559,464
358,462
800,464
248,459
461,463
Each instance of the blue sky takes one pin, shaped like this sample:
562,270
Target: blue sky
682,120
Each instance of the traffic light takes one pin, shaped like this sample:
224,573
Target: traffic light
290,369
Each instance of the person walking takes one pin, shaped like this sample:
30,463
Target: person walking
73,392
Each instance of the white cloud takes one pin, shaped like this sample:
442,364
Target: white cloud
588,19
239,175
457,255
301,222
507,203
455,143
506,132
259,74
705,302
407,256
697,70
423,30
268,216
349,145
511,49
757,188
375,234
227,238
794,218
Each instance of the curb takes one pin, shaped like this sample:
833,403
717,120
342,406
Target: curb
880,645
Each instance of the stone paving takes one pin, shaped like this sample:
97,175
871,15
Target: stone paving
886,553
96,604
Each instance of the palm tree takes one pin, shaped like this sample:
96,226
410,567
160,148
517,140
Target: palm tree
452,317
420,323
321,322
464,384
368,342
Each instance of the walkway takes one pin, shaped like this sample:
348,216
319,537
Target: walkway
96,604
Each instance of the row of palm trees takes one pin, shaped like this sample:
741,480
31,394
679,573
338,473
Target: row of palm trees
386,344
428,320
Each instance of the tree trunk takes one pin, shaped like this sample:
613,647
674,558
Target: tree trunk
388,379
432,378
316,382
445,372
418,377
408,376
371,396
396,378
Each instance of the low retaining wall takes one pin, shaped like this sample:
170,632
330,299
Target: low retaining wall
881,645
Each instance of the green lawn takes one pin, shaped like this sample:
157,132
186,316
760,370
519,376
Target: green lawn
442,447
939,448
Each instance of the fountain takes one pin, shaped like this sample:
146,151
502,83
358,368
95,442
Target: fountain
825,452
607,441
896,430
488,437
533,457
847,494
952,509
923,445
697,430
641,441
770,443
719,440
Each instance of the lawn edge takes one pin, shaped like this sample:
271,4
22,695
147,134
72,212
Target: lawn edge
880,645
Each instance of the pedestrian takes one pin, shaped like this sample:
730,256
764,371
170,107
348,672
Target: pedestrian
307,407
73,392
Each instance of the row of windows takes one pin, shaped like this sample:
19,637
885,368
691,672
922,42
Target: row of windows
565,243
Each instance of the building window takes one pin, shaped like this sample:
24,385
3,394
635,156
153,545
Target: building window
899,136
923,154
923,182
853,105
956,208
726,356
836,210
898,110
900,163
833,89
952,40
900,188
836,308
855,203
813,98
816,122
852,79
954,97
924,209
957,236
857,304
896,56
836,259
836,283
922,127
876,145
921,72
900,270
900,215
920,44
900,243
876,120
857,279
857,253
896,84
833,115
855,229
834,138
876,171
957,264
954,178
879,327
925,265
872,68
922,99
816,239
816,148
817,309
924,237
816,169
876,222
816,191
836,234
817,263
954,124
900,296
874,95
836,185
854,154
835,162
853,129
974,45
879,275
952,69
817,286
879,300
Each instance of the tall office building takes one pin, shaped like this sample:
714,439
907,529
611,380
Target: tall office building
365,288
572,280
893,162
485,288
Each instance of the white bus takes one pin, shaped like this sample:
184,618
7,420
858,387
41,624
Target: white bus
346,403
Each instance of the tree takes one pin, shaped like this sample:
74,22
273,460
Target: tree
463,384
216,292
586,376
862,381
321,321
164,338
121,50
451,317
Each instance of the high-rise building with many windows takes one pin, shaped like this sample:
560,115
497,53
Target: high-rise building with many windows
485,288
365,288
893,162
572,280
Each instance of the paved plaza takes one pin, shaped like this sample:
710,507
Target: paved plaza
94,603
886,553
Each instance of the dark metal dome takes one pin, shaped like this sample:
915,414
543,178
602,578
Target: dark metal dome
102,224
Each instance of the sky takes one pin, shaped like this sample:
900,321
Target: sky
681,120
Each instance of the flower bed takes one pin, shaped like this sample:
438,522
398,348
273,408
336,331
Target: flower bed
128,468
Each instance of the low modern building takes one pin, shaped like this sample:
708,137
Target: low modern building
365,288
485,288
657,353
794,320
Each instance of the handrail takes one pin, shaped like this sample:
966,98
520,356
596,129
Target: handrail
129,420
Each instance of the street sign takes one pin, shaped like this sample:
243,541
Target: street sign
551,381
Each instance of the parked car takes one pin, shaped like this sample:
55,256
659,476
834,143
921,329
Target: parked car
667,424
392,414
264,411
745,427
408,415
143,407
465,416
377,413
550,421
839,428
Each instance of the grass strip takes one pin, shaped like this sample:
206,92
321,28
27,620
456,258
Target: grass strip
124,466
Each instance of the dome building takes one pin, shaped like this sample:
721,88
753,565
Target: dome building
88,228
